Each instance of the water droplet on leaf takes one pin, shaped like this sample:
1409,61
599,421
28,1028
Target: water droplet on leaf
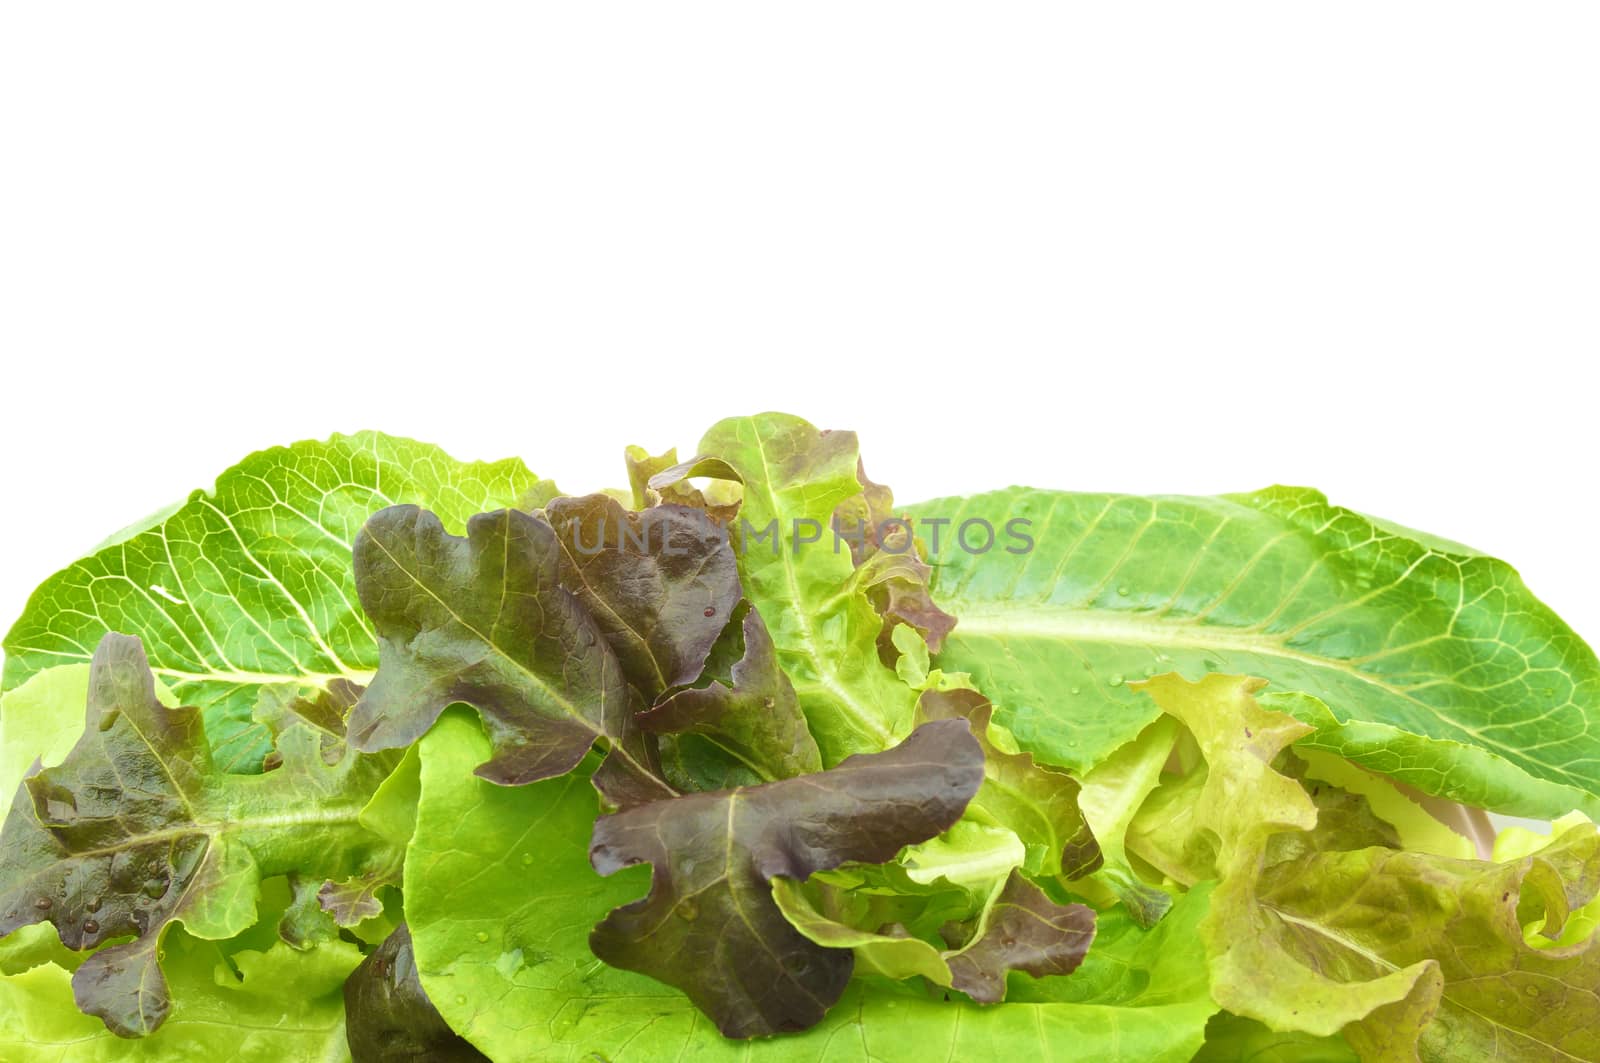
1115,680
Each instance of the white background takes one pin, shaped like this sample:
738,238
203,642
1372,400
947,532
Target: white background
1195,248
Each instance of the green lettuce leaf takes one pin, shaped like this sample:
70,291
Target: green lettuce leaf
304,923
1230,1039
484,620
1583,917
971,855
709,925
1407,811
821,617
1435,663
1220,827
1019,929
500,897
246,1007
1488,994
1231,805
1112,795
890,950
247,589
136,829
1036,803
1409,955
720,502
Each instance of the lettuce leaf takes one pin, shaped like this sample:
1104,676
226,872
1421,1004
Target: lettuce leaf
802,579
750,713
1112,795
247,1007
484,620
389,1019
1230,1039
1432,662
500,896
136,829
888,557
1019,929
247,588
660,583
1037,804
1321,924
709,925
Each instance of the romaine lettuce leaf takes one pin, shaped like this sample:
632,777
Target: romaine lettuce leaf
1434,662
247,588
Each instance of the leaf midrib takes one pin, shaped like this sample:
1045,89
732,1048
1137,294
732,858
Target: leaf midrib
1323,931
823,663
321,817
568,708
1089,625
234,677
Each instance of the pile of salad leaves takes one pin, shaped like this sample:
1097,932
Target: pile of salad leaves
370,754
